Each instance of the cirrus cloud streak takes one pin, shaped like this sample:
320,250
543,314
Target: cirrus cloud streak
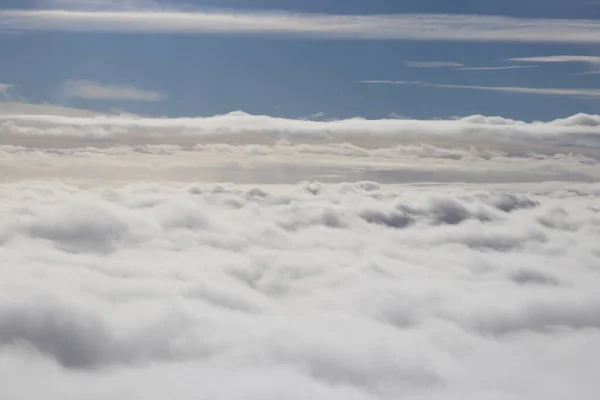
91,90
444,27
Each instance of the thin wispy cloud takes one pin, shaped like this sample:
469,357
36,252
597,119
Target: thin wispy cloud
570,92
432,64
596,72
590,60
558,59
442,27
90,90
495,68
4,91
104,5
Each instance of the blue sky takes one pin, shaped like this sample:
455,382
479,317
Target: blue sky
168,68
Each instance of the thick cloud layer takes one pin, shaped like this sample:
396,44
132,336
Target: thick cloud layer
309,291
476,126
463,264
244,148
285,162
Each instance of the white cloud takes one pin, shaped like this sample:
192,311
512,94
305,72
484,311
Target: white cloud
87,89
247,148
315,116
447,27
312,291
495,68
103,5
239,122
591,60
432,64
559,59
289,163
127,274
595,72
4,90
570,92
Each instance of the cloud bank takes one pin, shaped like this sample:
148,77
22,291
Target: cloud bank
244,148
239,122
91,90
445,27
353,259
309,291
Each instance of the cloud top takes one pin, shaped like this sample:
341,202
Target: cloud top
349,291
245,148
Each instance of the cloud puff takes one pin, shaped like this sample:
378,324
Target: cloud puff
91,90
346,291
446,27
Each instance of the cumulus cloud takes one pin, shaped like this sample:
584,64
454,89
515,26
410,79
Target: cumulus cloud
446,27
91,90
320,291
352,259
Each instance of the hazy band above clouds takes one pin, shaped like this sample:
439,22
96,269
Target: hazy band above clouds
447,27
239,147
